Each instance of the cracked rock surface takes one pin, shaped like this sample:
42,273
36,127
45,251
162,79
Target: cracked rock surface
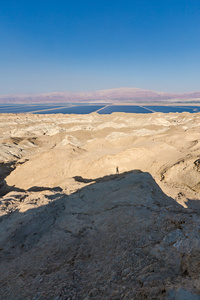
108,240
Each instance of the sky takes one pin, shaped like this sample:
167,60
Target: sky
71,45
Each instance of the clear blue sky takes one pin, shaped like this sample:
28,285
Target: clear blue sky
71,45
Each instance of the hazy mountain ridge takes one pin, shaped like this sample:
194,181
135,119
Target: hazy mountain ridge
109,95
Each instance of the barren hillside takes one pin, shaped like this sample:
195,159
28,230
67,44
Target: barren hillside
100,206
119,95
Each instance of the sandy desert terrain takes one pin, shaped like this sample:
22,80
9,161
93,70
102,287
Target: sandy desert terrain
100,206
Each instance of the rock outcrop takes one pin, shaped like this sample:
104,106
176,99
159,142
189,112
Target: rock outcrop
102,207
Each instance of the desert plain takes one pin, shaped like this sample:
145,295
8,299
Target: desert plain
100,206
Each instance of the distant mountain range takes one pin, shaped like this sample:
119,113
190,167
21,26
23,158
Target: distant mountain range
119,95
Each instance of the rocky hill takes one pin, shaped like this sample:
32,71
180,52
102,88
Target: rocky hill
100,206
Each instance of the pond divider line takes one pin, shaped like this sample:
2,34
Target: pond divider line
102,108
49,109
147,108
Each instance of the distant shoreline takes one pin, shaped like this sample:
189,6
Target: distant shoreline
100,108
164,103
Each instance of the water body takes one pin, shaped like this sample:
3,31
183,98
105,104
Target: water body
124,108
21,108
193,108
89,108
173,109
81,109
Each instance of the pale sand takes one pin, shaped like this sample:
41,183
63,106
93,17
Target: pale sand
53,159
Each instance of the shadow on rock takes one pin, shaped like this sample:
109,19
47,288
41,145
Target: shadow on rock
120,237
105,178
193,205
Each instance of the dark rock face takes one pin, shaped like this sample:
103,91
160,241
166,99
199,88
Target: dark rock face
119,238
197,164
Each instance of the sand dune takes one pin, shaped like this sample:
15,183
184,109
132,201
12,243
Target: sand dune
72,228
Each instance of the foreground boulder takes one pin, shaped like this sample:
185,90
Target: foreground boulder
116,237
